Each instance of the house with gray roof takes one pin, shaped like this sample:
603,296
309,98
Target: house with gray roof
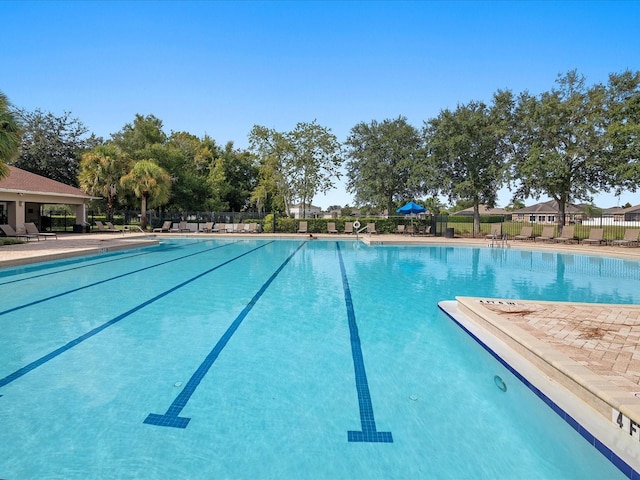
22,195
547,212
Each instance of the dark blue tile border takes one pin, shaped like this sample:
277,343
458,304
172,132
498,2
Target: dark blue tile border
51,355
171,417
369,432
588,436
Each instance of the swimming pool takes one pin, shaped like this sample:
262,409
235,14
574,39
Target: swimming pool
251,358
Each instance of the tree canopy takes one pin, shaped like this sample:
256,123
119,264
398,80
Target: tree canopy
10,135
465,152
381,158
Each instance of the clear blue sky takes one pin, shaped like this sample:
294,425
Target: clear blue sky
219,68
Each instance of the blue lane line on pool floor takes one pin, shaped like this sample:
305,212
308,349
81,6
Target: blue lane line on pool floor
171,417
86,265
42,360
73,290
369,433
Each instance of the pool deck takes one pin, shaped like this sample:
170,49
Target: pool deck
592,350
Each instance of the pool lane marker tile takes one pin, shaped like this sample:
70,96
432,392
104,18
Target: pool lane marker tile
76,341
369,433
171,417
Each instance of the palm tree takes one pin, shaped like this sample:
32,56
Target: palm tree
10,135
150,183
100,172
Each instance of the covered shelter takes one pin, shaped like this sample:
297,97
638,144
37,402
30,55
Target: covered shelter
23,193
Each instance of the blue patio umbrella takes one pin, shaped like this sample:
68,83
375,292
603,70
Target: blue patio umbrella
410,208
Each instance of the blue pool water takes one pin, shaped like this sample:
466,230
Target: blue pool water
251,358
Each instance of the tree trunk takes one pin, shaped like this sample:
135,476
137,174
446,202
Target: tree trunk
476,217
143,211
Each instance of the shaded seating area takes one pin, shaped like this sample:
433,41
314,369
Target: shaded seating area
31,229
525,234
548,234
10,232
566,235
596,237
630,238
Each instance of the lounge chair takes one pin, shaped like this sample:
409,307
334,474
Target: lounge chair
566,235
630,238
166,226
400,229
410,230
302,227
526,233
548,234
102,228
331,227
596,236
33,230
207,228
182,227
10,232
495,231
424,230
348,227
371,228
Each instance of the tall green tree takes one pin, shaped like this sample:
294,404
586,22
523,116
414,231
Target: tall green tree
571,142
621,124
100,173
144,131
53,145
466,152
275,162
150,183
381,157
10,134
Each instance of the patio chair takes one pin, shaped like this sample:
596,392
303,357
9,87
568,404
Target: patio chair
331,227
548,234
104,229
348,227
400,229
302,227
111,226
166,226
495,231
371,228
31,229
630,238
596,236
410,230
526,233
207,228
567,234
182,227
10,232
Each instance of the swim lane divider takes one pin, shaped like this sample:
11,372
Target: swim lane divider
122,275
171,417
51,355
368,433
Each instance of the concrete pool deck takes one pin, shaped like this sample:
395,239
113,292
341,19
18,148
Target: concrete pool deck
592,350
